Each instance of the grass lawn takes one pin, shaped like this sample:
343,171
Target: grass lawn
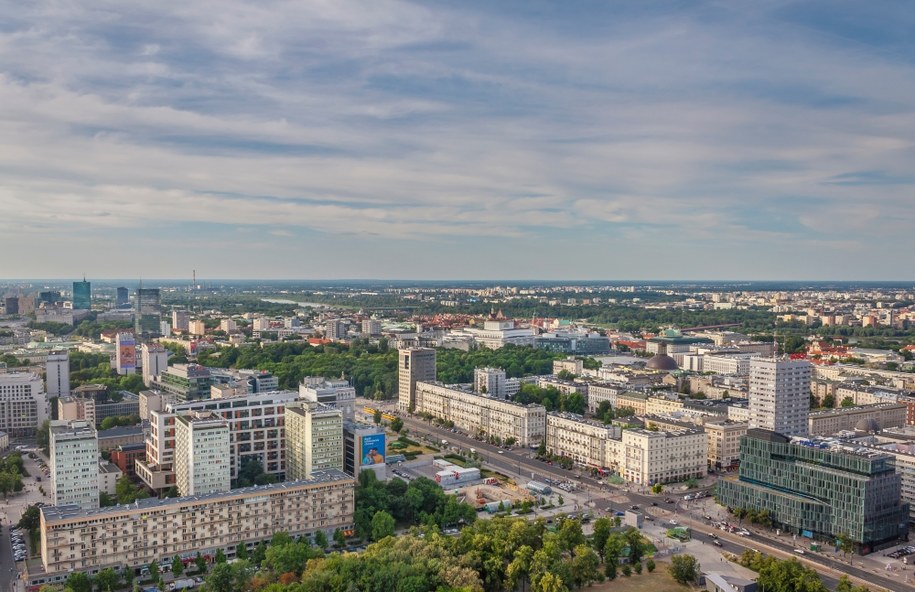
659,581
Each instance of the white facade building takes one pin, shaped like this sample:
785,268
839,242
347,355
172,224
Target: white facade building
202,462
780,395
336,394
74,464
582,440
23,403
413,365
648,457
314,440
489,381
154,359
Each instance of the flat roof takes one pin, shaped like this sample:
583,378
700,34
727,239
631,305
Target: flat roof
67,512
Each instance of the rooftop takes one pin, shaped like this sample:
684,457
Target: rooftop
73,511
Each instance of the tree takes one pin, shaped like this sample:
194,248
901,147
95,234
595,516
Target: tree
339,538
241,551
541,448
177,566
382,525
201,563
627,570
79,582
848,402
684,568
637,567
601,534
550,582
692,483
376,417
397,425
570,534
229,577
585,564
126,492
845,544
321,539
220,556
44,437
107,580
829,401
657,488
610,570
650,565
105,500
153,571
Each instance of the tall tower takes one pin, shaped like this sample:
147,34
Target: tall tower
122,299
148,311
202,454
57,374
74,464
82,295
780,395
314,440
154,359
413,365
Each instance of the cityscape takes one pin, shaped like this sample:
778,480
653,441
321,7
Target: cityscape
404,296
214,433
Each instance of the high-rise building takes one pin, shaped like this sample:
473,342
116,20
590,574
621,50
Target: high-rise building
148,311
335,329
82,295
154,359
202,454
413,365
197,327
371,327
337,394
11,305
228,325
57,374
23,403
122,300
363,449
189,382
780,395
181,320
74,464
125,353
819,488
489,381
314,440
50,297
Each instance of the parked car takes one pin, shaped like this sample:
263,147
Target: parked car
716,542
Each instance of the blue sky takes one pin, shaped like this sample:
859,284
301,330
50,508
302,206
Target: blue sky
725,139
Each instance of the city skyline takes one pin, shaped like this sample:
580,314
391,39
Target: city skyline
513,141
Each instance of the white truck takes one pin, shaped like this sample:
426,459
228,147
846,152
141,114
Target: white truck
182,584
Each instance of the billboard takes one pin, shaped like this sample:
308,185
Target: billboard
127,352
373,450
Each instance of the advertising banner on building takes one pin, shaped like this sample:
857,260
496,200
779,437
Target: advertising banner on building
373,450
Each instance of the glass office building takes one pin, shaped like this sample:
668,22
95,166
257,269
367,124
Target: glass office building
819,488
82,295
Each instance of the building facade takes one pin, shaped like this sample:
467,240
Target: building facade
831,421
336,394
148,315
82,295
188,382
155,530
73,455
23,403
413,365
780,395
57,374
314,440
154,360
647,457
202,463
584,441
819,489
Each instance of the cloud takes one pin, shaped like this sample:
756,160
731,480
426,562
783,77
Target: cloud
439,125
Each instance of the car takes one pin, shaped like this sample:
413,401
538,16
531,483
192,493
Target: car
668,500
717,543
633,507
501,452
707,517
654,503
799,551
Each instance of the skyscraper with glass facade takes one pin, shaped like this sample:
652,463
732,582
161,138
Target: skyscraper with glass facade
819,488
82,295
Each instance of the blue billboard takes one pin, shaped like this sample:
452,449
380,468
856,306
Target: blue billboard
373,450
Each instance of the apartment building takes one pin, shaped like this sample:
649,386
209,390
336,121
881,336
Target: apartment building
780,395
154,401
738,364
155,530
723,439
647,457
662,405
565,387
413,365
573,365
154,360
23,403
336,394
478,414
256,429
865,418
638,402
202,454
600,392
188,382
314,439
73,455
57,374
582,440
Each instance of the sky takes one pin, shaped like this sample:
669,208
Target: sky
731,139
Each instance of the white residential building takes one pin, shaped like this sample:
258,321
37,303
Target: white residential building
23,403
154,359
202,462
57,374
413,365
314,440
780,395
489,381
336,394
371,327
648,457
582,440
74,469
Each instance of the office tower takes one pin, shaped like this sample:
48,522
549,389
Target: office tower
364,449
154,359
26,305
82,295
11,305
57,374
335,329
122,300
148,311
819,488
49,297
125,354
181,320
314,440
780,395
489,381
262,382
414,365
23,403
74,464
189,382
202,454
